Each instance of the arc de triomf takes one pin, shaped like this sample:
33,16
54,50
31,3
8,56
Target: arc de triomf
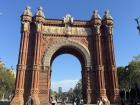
43,39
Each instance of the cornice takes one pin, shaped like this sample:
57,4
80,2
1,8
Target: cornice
59,22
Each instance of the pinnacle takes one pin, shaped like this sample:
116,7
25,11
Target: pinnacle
96,15
107,15
40,12
27,11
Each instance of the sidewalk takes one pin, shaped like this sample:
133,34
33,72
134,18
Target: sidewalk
4,103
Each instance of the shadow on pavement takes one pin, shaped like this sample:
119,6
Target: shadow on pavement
4,103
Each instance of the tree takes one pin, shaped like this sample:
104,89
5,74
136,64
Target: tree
134,71
129,76
78,88
7,81
123,83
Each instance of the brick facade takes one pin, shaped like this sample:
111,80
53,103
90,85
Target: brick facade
44,39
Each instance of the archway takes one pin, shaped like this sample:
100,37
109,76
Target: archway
91,41
67,46
78,51
66,78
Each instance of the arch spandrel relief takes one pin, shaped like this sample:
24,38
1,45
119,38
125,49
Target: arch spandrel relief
77,31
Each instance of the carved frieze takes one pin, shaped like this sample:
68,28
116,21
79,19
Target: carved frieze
55,30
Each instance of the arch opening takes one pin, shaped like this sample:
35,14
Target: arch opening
69,50
66,46
69,47
79,56
65,76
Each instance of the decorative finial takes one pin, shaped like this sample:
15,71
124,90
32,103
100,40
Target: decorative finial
96,15
40,8
27,11
40,12
107,15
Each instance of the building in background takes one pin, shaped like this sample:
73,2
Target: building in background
59,90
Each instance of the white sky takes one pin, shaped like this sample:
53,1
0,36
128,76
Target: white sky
65,84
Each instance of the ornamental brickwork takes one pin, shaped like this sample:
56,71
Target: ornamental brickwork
43,39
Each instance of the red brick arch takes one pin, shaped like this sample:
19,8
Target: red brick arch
46,60
43,39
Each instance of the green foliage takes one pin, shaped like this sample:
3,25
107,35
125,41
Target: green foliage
53,93
123,78
134,73
78,88
129,76
77,91
7,81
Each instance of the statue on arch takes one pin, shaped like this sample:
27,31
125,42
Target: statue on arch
68,19
29,101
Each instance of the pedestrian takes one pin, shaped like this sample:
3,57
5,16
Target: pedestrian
53,101
81,101
74,102
106,101
78,101
56,98
29,101
122,102
100,101
63,101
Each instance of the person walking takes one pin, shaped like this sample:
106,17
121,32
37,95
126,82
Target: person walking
74,102
81,101
78,101
29,101
100,101
53,101
105,101
63,102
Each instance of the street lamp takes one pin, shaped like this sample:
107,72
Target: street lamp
138,24
129,77
129,83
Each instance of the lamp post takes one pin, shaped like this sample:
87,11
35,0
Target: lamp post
138,24
129,81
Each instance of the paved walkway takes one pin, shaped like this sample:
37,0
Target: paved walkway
66,104
4,103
